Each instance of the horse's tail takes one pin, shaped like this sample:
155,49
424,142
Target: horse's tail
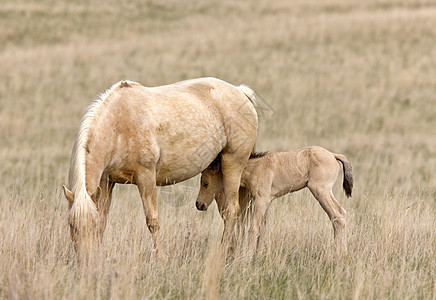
252,96
249,93
348,174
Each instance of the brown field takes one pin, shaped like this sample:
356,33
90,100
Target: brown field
356,77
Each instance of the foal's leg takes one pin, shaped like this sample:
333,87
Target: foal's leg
261,205
334,210
146,182
262,229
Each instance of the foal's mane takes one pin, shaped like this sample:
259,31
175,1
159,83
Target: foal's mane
258,154
76,180
216,163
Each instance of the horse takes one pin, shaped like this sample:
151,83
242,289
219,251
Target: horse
268,176
157,136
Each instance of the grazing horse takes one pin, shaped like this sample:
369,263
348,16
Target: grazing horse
268,176
152,136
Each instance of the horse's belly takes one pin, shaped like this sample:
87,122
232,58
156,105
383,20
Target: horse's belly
187,156
121,176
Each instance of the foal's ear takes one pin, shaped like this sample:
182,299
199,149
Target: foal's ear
215,169
215,165
68,194
97,194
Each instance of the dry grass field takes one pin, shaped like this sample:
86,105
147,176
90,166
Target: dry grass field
356,77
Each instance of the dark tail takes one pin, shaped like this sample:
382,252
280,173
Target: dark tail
348,174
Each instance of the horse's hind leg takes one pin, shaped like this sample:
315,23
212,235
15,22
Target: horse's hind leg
336,213
232,166
146,182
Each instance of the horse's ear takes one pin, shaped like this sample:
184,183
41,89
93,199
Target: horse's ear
68,194
97,194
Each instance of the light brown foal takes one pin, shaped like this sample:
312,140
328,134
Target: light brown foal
268,176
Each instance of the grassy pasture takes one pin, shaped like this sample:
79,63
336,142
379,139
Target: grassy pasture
357,77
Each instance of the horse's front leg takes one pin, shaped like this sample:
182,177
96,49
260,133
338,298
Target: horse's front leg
104,202
146,182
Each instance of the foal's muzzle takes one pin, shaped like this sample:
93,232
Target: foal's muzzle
200,206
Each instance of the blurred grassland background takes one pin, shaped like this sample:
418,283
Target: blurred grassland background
356,77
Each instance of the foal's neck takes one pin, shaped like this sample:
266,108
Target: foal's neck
250,168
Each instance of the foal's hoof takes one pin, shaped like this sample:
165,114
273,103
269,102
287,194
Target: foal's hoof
200,206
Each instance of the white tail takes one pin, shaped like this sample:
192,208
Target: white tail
251,95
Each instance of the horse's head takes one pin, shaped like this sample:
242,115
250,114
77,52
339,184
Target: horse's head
83,219
211,185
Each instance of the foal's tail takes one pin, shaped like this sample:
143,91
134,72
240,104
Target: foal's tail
348,174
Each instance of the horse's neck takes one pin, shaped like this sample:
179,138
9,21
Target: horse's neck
94,150
94,166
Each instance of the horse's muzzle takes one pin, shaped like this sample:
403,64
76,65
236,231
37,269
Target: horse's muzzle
200,206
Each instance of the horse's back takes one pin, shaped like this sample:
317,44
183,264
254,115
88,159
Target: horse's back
195,98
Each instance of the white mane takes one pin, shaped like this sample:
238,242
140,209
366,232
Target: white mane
82,200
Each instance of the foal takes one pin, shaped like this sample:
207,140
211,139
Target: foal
268,176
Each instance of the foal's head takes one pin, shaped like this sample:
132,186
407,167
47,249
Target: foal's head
211,185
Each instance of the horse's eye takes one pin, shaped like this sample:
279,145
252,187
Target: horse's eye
205,185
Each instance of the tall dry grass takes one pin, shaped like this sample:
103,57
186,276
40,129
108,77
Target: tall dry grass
355,77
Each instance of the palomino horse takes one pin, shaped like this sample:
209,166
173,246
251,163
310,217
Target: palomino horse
268,176
157,136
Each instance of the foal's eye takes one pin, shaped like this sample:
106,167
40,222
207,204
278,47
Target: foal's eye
205,185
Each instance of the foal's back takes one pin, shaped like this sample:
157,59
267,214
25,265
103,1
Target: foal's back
279,173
